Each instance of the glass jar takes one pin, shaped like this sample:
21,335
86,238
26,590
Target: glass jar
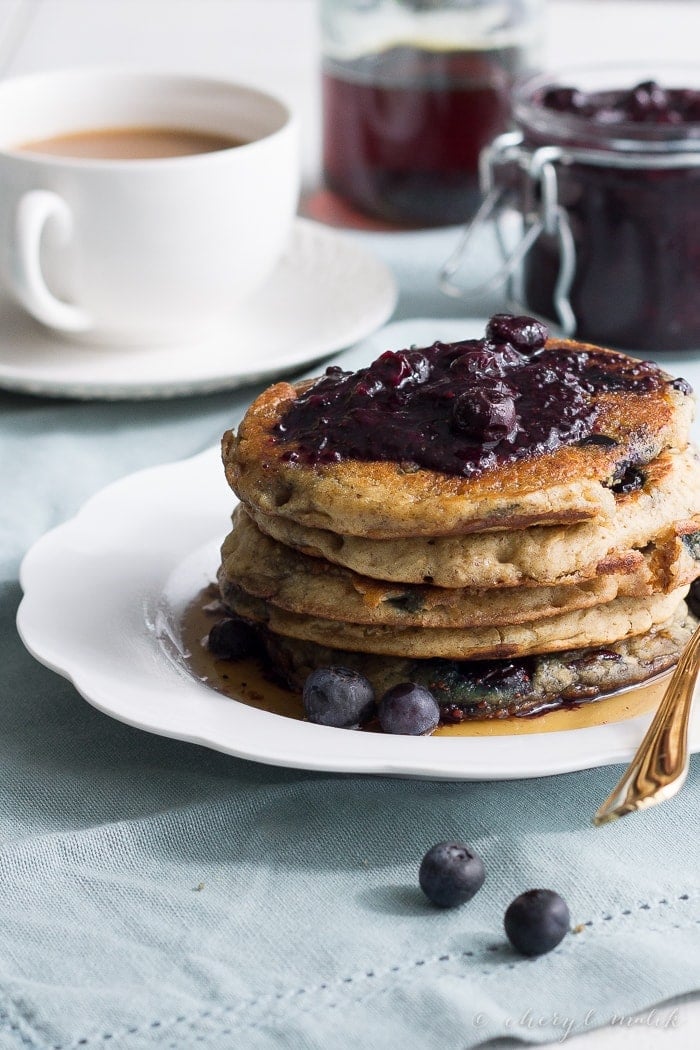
605,174
412,91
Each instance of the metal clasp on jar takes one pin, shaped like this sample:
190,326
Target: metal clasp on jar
518,180
540,213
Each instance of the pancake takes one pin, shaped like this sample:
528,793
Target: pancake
600,625
498,689
513,522
293,581
656,513
511,486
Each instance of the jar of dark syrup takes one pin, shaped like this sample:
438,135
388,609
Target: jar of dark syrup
412,91
604,173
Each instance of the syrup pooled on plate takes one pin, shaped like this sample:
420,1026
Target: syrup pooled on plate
249,682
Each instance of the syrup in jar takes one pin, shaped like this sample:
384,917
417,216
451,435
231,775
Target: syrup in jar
412,92
403,129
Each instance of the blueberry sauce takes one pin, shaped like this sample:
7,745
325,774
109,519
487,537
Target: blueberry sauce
645,103
461,408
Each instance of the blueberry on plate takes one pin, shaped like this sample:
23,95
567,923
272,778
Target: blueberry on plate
232,639
337,696
450,874
408,709
536,921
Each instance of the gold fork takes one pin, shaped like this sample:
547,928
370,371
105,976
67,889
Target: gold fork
660,766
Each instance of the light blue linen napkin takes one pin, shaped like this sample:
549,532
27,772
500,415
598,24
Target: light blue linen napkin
155,894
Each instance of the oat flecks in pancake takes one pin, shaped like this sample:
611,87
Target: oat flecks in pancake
600,625
538,556
293,581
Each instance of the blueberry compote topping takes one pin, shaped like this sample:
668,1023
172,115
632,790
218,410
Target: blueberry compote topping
645,103
460,408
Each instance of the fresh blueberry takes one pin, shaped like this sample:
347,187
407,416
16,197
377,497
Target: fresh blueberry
536,921
408,709
450,874
337,696
524,333
233,639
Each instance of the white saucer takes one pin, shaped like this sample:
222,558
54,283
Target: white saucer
325,294
103,600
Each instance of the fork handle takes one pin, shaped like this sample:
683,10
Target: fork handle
660,766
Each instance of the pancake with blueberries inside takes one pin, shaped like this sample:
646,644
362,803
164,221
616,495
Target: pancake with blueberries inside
486,528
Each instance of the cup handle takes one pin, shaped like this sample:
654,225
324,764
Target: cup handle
35,209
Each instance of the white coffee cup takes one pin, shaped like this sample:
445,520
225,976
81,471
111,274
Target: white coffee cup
142,251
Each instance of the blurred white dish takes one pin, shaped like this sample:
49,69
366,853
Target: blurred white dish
326,293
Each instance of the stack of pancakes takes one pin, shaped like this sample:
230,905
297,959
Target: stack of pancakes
553,575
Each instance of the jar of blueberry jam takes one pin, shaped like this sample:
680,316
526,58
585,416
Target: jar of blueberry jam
604,170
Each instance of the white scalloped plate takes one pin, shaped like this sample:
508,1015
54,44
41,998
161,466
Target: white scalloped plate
327,292
104,594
